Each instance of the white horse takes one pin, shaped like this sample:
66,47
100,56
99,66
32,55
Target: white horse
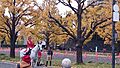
33,53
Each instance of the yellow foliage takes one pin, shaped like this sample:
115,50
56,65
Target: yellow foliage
23,11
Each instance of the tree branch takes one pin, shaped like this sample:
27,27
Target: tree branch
89,5
93,28
36,4
4,30
85,31
16,33
105,25
20,6
65,29
69,5
59,33
19,17
23,11
77,1
8,24
101,21
83,3
71,31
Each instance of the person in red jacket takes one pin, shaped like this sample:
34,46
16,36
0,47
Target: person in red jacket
30,43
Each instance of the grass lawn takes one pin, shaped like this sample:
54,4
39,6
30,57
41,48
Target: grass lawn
57,63
4,57
95,65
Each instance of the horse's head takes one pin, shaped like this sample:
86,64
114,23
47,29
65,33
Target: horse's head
25,51
40,45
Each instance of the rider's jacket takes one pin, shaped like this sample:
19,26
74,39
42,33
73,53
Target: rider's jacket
30,44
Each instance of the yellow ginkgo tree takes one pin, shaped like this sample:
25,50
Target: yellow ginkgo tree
88,18
44,27
105,29
14,15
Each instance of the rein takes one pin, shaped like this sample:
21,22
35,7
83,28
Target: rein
38,47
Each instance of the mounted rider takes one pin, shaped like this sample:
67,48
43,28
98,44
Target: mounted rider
30,46
26,60
30,43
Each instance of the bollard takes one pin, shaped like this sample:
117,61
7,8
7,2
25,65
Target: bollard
96,56
119,56
66,63
109,57
85,55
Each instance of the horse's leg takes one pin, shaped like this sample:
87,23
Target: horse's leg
36,62
39,61
32,65
20,59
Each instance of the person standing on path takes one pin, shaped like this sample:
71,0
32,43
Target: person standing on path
49,56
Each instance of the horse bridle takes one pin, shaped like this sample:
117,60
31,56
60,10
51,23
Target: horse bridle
38,47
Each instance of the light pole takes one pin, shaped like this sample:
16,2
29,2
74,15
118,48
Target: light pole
116,36
115,18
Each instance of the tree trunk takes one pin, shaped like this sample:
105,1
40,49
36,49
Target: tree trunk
13,37
47,40
79,54
12,47
47,43
79,35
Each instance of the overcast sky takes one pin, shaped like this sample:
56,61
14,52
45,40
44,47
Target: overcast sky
62,9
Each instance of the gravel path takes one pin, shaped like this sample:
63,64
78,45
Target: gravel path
13,65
